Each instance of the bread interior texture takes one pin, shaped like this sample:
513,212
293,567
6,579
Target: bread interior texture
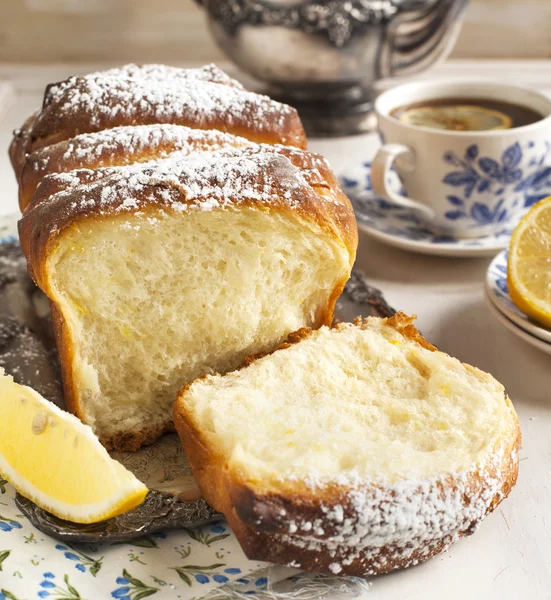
349,403
152,300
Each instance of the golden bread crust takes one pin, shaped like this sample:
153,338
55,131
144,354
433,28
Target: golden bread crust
117,147
273,183
19,145
315,168
330,529
130,441
204,98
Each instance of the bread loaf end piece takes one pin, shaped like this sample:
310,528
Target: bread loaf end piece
354,450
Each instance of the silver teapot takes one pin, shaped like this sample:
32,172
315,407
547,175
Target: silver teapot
323,57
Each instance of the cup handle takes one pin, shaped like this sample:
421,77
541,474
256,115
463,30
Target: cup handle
380,168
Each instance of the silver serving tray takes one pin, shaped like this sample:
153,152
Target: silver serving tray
27,351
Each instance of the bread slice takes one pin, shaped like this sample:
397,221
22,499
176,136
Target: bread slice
114,147
357,450
160,273
61,177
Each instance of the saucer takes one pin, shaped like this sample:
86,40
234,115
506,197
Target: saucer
498,293
401,228
521,333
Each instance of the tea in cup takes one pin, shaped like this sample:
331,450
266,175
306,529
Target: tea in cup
468,152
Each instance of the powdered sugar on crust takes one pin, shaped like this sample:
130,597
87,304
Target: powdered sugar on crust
135,73
313,169
124,145
201,180
382,527
131,95
146,85
314,165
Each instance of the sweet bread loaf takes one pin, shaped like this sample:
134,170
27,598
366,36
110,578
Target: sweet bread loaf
158,273
355,450
177,225
18,147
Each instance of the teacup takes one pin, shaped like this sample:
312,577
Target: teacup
463,183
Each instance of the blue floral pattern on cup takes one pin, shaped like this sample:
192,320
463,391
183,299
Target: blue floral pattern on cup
375,213
505,180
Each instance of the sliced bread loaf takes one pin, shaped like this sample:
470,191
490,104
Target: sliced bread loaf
358,449
160,273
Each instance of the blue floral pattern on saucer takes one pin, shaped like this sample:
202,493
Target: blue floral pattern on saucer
8,231
498,294
400,227
497,283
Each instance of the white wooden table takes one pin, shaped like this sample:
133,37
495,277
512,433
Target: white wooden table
510,556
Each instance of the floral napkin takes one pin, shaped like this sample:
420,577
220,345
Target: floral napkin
176,564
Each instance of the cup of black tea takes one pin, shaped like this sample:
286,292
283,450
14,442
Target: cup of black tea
471,154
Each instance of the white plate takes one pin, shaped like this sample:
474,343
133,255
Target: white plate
498,293
523,335
399,227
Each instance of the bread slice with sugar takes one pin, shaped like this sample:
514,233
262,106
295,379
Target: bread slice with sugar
115,147
357,450
314,166
158,273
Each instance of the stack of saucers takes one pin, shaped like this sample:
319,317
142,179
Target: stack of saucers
505,310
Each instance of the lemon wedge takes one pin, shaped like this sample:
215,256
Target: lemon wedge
457,118
56,461
529,266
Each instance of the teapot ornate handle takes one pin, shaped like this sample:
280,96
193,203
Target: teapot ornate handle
419,34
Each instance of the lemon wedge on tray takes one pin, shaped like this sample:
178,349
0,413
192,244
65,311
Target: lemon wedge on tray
56,461
529,268
457,117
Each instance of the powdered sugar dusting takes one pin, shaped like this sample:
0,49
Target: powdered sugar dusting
155,93
128,143
386,526
309,168
201,180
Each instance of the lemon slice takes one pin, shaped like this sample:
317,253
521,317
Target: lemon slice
56,461
457,118
529,268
